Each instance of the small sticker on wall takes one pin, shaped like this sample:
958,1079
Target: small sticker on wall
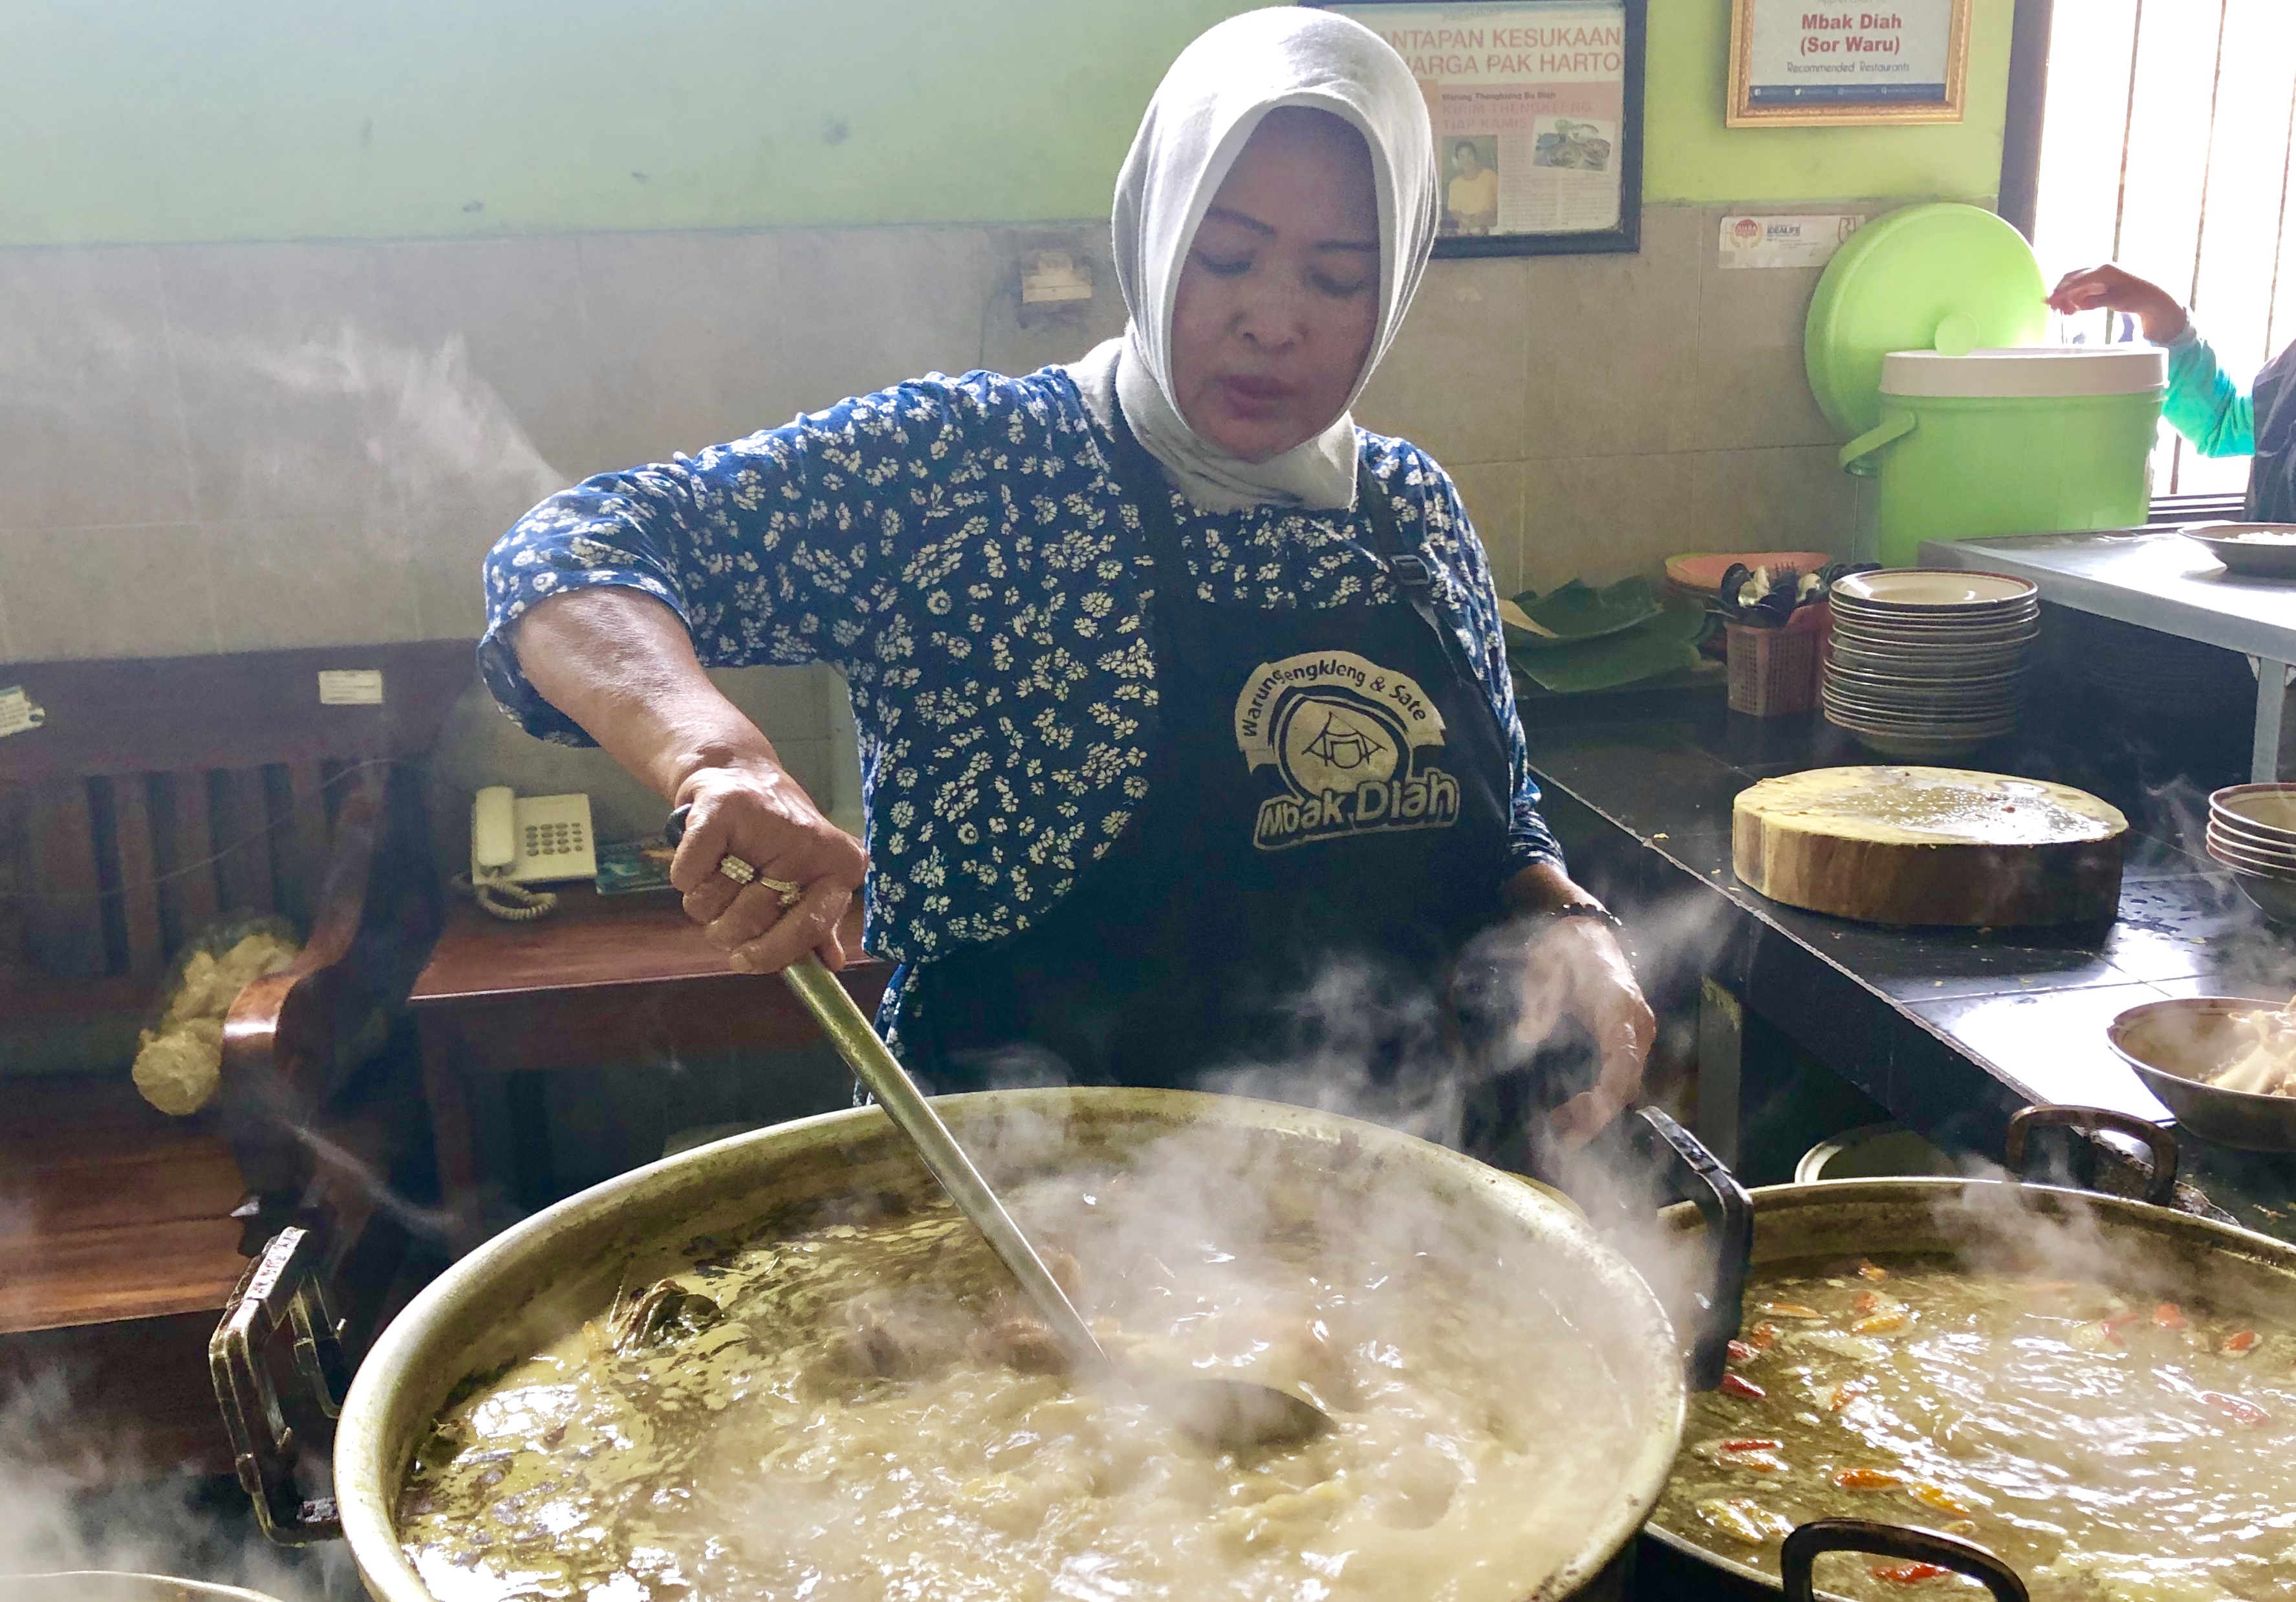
1785,241
18,712
350,686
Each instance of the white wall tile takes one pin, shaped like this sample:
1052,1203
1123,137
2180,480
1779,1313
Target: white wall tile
1606,518
293,400
1613,346
90,430
76,594
1456,383
518,380
287,582
308,443
1492,492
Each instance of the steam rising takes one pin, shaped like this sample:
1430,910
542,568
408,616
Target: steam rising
364,431
1490,1375
429,431
51,1521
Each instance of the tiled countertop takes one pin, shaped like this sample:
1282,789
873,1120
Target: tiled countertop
1951,1029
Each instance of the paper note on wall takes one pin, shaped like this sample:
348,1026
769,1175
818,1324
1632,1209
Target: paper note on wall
1785,241
350,686
19,711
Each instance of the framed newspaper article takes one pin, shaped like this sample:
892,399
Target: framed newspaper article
1537,107
1795,62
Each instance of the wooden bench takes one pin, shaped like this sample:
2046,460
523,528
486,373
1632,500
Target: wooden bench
157,795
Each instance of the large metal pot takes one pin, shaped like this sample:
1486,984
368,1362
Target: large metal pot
105,1585
1914,1216
561,1265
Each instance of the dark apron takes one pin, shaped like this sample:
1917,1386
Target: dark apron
1325,826
2272,475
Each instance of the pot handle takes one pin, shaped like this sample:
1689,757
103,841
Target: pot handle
281,1291
1857,456
1729,1214
2160,1191
1799,1554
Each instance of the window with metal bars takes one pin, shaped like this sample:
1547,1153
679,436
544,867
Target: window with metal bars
2159,134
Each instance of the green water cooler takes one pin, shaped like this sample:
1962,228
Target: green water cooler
1923,345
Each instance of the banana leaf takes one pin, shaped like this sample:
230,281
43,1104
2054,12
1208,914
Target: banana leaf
1664,643
1577,611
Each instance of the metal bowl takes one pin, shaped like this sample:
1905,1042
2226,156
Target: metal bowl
1874,1151
2257,550
2273,896
2172,1044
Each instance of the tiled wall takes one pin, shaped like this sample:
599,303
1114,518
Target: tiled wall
221,448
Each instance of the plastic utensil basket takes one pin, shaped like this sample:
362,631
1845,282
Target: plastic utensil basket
1773,671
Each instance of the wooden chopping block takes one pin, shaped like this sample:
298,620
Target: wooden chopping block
1929,845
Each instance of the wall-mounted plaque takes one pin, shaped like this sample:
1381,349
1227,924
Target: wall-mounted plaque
1795,62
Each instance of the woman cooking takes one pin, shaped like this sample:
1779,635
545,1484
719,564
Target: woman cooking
1182,699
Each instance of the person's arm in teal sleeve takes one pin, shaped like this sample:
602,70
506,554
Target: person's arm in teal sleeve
2204,404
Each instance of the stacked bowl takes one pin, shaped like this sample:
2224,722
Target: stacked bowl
2252,830
1925,663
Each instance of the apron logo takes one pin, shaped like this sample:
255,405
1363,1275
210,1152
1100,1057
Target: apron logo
1345,734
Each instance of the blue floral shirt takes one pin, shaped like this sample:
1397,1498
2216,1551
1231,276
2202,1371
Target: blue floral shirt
960,550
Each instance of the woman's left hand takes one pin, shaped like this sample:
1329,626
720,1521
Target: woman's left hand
1574,968
1599,991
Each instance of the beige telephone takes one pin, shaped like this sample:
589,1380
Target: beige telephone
521,839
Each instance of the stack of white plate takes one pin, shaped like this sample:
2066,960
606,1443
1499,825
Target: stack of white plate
2153,673
2252,830
1925,663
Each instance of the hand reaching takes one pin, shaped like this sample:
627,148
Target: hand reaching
2116,289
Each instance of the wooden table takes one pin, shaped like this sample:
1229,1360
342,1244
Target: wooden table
604,980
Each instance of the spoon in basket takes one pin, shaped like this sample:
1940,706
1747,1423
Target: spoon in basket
1233,1415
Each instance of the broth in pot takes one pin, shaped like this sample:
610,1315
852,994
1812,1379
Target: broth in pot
2111,1444
847,1403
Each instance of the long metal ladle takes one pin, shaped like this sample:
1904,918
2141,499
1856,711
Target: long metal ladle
1232,1414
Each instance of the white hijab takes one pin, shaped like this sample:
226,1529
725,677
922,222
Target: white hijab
1203,112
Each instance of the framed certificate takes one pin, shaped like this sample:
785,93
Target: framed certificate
1895,60
1537,108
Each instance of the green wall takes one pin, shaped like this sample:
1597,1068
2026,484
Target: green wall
205,119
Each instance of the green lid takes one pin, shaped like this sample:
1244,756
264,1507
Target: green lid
1939,277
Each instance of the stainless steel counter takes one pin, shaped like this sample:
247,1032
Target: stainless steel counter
2160,580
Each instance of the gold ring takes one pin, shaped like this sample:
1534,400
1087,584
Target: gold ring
742,873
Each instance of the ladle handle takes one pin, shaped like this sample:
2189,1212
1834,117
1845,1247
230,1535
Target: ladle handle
857,1042
1798,1558
2160,1190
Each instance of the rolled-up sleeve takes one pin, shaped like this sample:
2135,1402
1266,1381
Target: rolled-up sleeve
1529,842
765,547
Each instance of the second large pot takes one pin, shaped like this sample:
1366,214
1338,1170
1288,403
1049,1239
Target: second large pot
1898,1218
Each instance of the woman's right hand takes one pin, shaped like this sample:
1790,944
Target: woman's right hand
753,810
2116,289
